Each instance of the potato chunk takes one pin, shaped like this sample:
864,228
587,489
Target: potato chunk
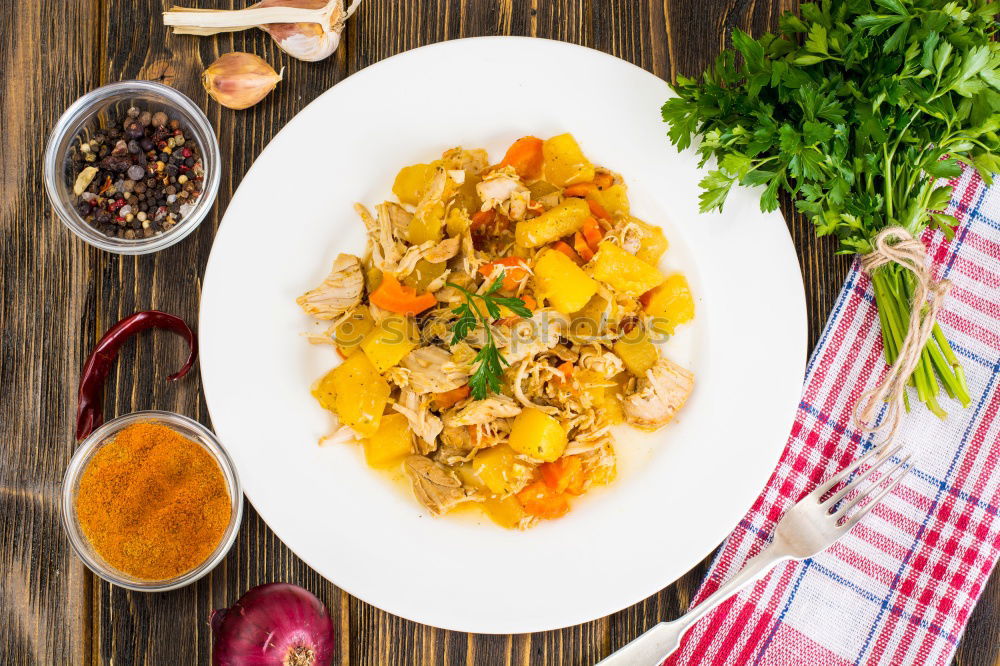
537,435
361,394
563,220
390,444
624,272
562,282
412,181
670,304
637,352
389,341
505,512
564,162
653,244
499,470
614,199
349,333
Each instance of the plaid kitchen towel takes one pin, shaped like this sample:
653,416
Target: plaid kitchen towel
899,588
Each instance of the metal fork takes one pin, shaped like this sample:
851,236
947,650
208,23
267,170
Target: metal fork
809,527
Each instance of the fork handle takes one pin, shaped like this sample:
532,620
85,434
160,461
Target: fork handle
652,647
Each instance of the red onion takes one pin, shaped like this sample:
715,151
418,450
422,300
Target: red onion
277,624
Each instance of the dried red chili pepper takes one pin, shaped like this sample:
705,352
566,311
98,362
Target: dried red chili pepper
89,414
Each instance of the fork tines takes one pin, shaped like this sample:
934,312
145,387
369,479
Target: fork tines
879,457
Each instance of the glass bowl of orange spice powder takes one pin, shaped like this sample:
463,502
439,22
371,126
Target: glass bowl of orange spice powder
151,501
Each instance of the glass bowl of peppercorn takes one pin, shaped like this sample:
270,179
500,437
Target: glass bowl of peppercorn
132,167
151,501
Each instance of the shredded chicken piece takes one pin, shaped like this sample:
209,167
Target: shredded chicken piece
658,395
519,375
398,376
340,291
629,237
534,336
442,251
457,438
423,423
385,249
483,411
341,434
436,488
431,370
607,363
502,189
399,217
408,262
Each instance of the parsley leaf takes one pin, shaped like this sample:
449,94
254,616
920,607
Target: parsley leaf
489,362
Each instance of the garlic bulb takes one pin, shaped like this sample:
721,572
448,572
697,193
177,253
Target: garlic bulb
239,80
305,29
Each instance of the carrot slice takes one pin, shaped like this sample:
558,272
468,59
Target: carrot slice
581,247
525,155
592,233
579,190
566,369
564,247
541,501
597,210
514,271
603,180
396,297
564,475
446,399
529,302
483,218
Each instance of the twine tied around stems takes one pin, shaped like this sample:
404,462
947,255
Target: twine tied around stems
896,245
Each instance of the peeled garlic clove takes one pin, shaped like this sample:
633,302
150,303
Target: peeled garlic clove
239,80
304,41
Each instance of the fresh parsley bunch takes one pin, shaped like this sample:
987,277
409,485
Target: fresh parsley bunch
856,109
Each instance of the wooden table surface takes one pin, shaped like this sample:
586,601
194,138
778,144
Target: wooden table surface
59,295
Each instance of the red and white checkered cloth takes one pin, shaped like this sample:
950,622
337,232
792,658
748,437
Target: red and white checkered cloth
898,588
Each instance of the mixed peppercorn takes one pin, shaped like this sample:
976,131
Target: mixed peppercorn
137,178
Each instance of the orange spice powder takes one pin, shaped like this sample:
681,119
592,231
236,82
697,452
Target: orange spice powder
152,503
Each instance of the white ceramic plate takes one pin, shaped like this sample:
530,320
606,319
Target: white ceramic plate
679,492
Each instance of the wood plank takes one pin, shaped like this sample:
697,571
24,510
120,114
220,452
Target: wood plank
60,295
43,587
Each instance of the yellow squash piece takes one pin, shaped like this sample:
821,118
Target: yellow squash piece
624,272
349,333
563,220
537,435
564,284
391,442
637,352
670,304
361,394
505,512
389,341
412,181
564,162
499,469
